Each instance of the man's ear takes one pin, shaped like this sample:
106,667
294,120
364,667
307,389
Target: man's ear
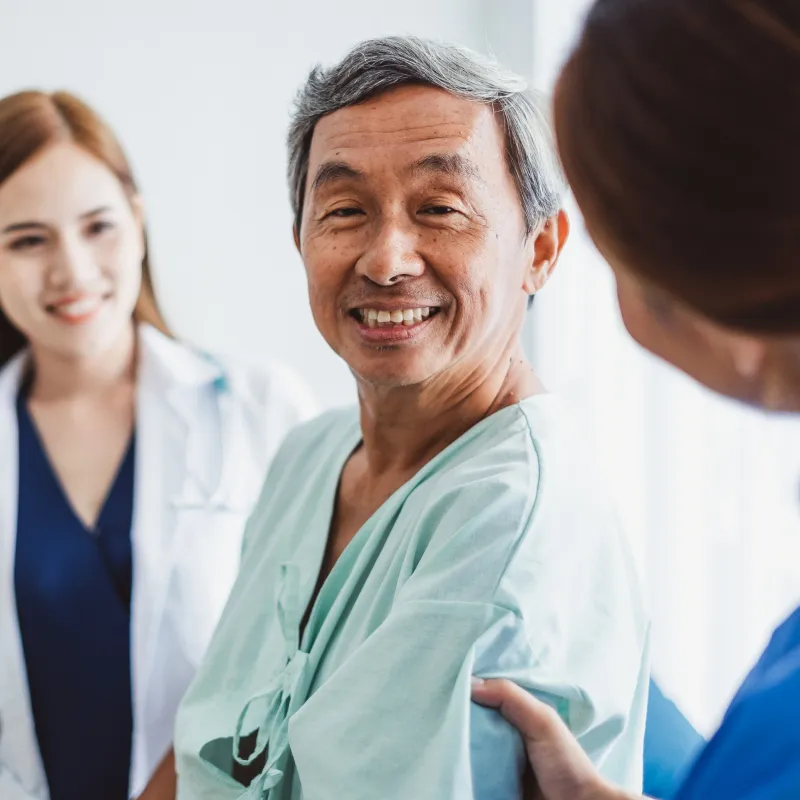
549,241
296,236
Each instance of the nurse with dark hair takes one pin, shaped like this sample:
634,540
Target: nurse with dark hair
678,123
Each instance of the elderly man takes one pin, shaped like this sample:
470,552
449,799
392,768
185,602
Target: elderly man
450,525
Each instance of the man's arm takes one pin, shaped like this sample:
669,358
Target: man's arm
164,784
493,595
562,770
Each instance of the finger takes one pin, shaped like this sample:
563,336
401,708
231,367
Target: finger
487,693
533,718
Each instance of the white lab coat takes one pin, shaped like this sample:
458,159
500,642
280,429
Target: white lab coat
205,432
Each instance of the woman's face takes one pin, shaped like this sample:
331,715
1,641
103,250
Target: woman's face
755,370
71,250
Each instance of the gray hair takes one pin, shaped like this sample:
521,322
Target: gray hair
380,64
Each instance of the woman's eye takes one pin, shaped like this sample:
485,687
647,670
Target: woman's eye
99,226
26,243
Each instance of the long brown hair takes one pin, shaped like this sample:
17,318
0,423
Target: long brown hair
31,121
678,123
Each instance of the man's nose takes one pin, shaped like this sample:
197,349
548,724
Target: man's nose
391,256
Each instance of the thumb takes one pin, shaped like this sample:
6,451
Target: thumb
534,719
563,771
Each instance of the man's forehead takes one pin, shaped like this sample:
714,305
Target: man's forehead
408,119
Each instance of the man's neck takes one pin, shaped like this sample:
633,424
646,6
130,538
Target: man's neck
405,427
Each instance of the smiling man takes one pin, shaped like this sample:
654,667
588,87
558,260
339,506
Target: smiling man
447,527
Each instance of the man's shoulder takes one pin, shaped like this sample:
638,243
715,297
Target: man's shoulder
333,424
531,451
494,460
309,444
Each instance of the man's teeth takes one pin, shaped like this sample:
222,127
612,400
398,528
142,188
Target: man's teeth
406,316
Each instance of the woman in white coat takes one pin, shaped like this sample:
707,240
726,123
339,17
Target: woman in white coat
128,465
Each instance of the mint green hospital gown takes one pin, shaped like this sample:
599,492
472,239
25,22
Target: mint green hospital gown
501,557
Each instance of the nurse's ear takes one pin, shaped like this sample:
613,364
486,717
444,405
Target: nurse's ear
748,354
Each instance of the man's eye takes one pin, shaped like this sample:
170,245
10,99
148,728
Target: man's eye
439,211
344,212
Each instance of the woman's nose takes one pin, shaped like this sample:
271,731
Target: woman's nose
74,264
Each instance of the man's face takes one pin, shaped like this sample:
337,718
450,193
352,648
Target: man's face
413,237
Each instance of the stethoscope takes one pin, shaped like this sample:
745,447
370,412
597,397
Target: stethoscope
230,427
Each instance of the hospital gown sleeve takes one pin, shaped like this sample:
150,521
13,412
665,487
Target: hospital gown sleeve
510,581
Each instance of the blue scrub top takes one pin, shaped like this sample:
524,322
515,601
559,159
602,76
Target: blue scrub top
73,593
755,755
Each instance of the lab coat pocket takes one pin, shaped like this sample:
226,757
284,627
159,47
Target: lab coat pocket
208,546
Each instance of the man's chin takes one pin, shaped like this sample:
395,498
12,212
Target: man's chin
392,375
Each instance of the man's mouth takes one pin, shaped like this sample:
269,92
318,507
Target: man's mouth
382,318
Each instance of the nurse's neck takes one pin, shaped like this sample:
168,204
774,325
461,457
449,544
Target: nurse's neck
404,427
106,370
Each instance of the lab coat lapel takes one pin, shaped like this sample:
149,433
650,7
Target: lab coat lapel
18,744
169,422
171,468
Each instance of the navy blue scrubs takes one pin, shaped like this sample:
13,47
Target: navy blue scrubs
73,593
